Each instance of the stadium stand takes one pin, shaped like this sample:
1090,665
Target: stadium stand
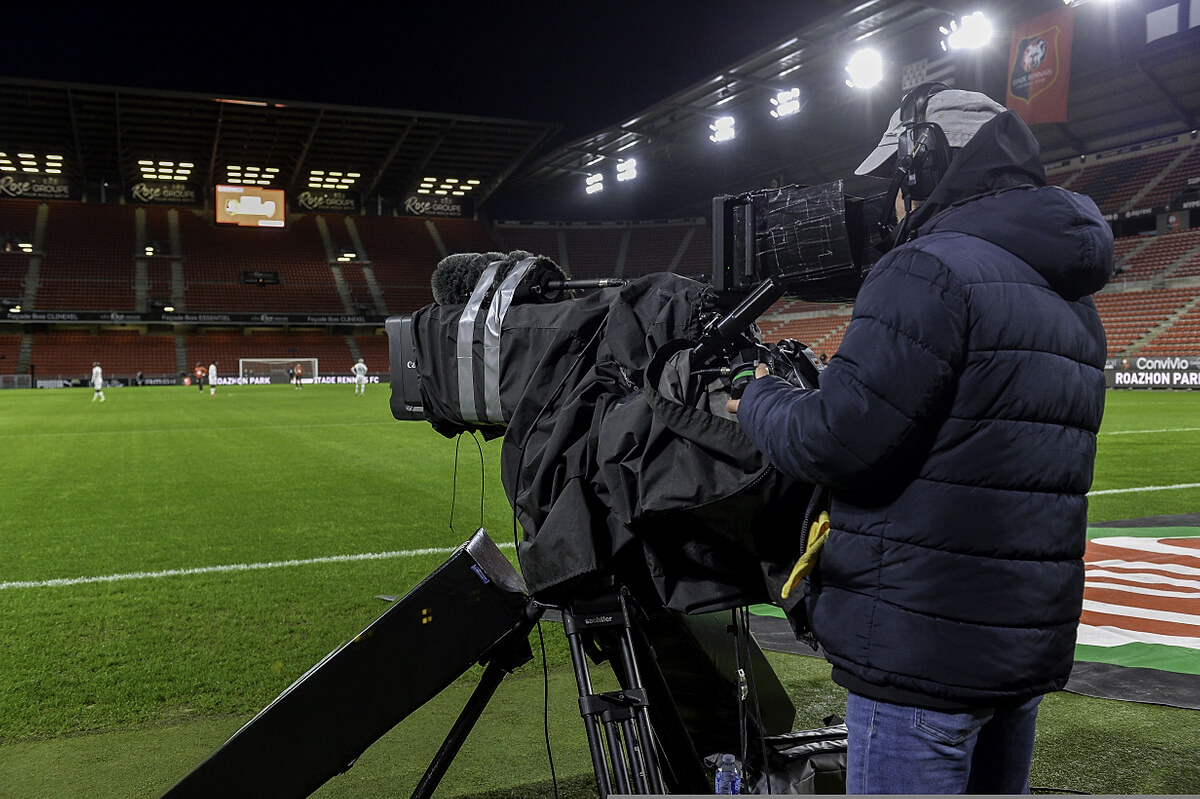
215,258
1129,317
596,252
1167,255
374,351
88,259
1172,184
10,350
541,240
1181,336
822,332
464,235
1120,181
616,249
14,267
69,354
403,254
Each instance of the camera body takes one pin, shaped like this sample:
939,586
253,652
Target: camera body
811,243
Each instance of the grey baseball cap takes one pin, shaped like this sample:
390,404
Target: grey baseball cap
959,113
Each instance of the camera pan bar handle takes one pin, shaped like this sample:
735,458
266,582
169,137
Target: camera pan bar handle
595,283
723,332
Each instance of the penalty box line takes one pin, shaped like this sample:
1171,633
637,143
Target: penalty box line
234,567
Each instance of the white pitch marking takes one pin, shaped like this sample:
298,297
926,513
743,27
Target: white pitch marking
1146,432
233,567
1143,488
192,430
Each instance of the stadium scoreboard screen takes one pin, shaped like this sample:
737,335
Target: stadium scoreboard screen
249,206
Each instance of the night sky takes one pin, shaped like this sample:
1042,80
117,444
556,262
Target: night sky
583,64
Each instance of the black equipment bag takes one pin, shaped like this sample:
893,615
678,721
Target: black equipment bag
804,762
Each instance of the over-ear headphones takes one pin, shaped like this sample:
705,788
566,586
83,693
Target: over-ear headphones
922,151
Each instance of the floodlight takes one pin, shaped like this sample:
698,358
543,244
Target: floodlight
971,32
594,183
865,69
786,103
722,130
627,170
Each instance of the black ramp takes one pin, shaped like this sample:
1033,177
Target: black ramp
318,726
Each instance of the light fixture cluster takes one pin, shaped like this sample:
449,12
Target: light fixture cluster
971,32
627,169
30,162
722,129
454,187
865,69
250,175
786,103
165,170
347,257
321,179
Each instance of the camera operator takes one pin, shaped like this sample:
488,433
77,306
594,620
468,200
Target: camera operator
955,429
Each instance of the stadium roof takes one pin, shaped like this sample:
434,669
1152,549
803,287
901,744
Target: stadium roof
104,132
1123,90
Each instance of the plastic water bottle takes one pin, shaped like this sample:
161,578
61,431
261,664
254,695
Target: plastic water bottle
729,777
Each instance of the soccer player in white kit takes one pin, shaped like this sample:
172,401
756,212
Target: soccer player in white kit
212,379
359,370
97,382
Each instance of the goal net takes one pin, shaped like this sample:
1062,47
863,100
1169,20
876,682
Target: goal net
276,370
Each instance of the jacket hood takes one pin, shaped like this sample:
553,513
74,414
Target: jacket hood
995,189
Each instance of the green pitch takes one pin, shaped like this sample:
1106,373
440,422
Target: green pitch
171,561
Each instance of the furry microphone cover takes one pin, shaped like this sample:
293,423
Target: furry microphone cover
456,275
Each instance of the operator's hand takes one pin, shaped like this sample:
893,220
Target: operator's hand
762,370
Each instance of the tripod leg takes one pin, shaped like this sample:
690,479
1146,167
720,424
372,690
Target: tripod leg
512,651
648,756
618,720
488,683
590,724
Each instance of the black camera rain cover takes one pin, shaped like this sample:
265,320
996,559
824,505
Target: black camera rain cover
618,473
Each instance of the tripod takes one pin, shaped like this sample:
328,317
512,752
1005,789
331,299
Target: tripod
674,696
627,755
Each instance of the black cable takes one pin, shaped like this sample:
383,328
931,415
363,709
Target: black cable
482,476
762,732
454,481
546,707
743,745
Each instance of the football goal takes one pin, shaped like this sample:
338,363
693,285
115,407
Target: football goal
276,370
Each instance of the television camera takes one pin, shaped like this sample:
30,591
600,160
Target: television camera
648,516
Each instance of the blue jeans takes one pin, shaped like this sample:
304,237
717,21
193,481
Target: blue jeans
900,749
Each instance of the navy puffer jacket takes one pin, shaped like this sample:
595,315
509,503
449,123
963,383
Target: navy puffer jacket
956,428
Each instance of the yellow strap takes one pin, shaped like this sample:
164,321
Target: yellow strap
816,539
